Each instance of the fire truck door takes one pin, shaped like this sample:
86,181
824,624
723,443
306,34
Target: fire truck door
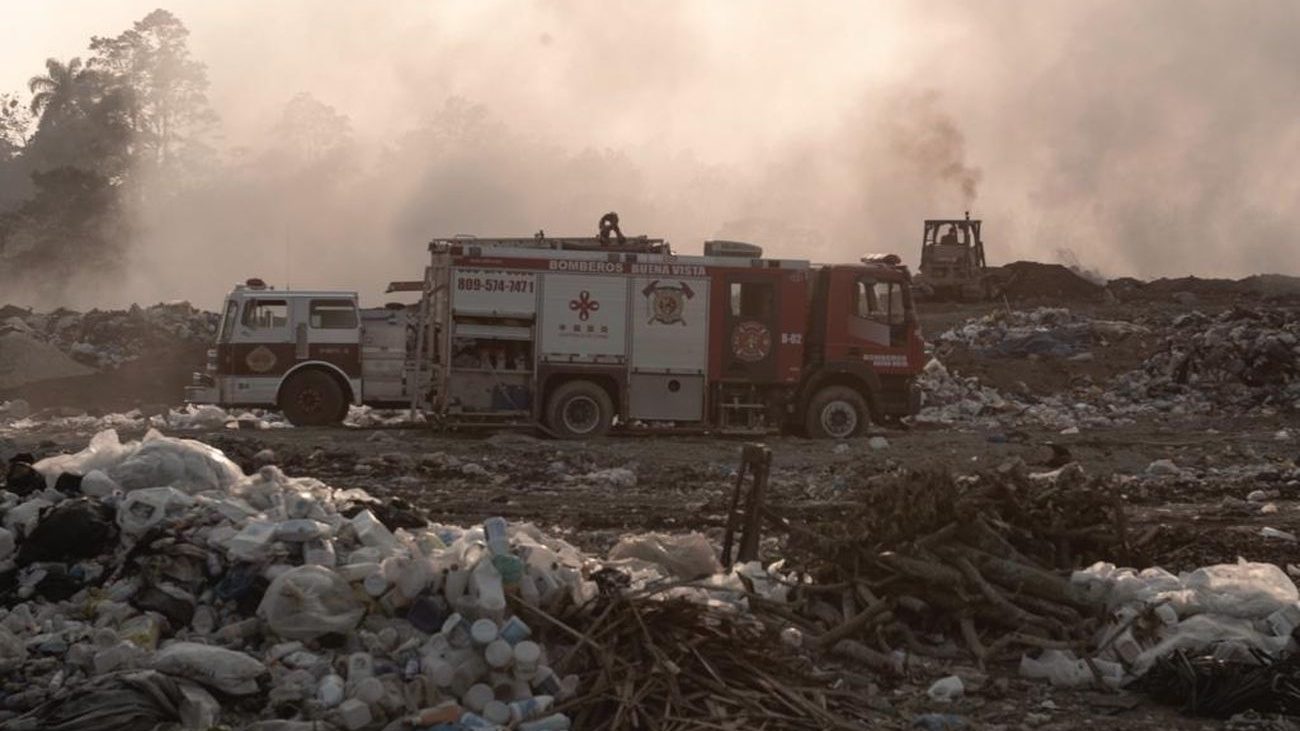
750,327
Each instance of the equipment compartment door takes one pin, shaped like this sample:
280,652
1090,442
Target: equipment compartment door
750,303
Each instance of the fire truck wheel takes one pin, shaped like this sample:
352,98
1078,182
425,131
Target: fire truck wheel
312,398
579,410
836,412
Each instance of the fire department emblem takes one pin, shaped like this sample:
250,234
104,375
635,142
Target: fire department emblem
751,341
260,359
584,305
667,302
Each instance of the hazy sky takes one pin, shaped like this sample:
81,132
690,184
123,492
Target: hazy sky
1141,137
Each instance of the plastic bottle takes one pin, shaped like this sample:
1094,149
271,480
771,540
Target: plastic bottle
454,585
529,708
491,594
360,666
330,690
515,631
447,712
494,530
319,553
528,590
527,656
204,621
470,668
483,632
468,607
357,571
499,654
375,584
511,570
301,530
554,722
496,712
251,543
354,714
369,691
438,670
457,630
544,681
366,555
372,533
477,697
414,578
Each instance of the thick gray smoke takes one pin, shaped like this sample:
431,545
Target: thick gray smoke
1149,138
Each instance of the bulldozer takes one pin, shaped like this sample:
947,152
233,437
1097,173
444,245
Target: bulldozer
953,267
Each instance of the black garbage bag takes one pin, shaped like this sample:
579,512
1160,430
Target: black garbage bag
22,479
394,514
71,530
119,702
68,483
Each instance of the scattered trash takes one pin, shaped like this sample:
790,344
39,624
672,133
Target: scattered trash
685,556
940,722
946,690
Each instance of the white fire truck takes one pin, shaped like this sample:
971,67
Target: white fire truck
579,335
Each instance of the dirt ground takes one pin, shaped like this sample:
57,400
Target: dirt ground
683,483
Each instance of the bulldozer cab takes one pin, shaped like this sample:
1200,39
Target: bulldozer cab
953,242
952,258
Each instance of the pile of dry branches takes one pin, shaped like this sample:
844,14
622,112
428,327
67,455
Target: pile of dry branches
649,663
979,558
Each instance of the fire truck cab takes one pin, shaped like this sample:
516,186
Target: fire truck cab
579,336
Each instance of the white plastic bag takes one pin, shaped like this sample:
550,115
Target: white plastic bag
1199,632
216,667
1247,590
684,556
184,464
104,451
309,601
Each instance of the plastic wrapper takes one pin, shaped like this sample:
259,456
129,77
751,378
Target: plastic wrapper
684,556
216,667
309,601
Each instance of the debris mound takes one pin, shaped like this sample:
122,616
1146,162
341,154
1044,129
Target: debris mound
24,360
1035,280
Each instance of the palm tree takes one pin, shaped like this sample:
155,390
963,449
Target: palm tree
53,91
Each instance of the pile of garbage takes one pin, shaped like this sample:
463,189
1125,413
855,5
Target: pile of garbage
18,415
106,339
942,568
1244,359
156,572
1244,362
1217,641
1045,331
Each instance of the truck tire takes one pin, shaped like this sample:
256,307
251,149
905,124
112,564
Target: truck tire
836,412
579,410
312,398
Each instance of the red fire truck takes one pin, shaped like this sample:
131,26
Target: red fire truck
579,335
